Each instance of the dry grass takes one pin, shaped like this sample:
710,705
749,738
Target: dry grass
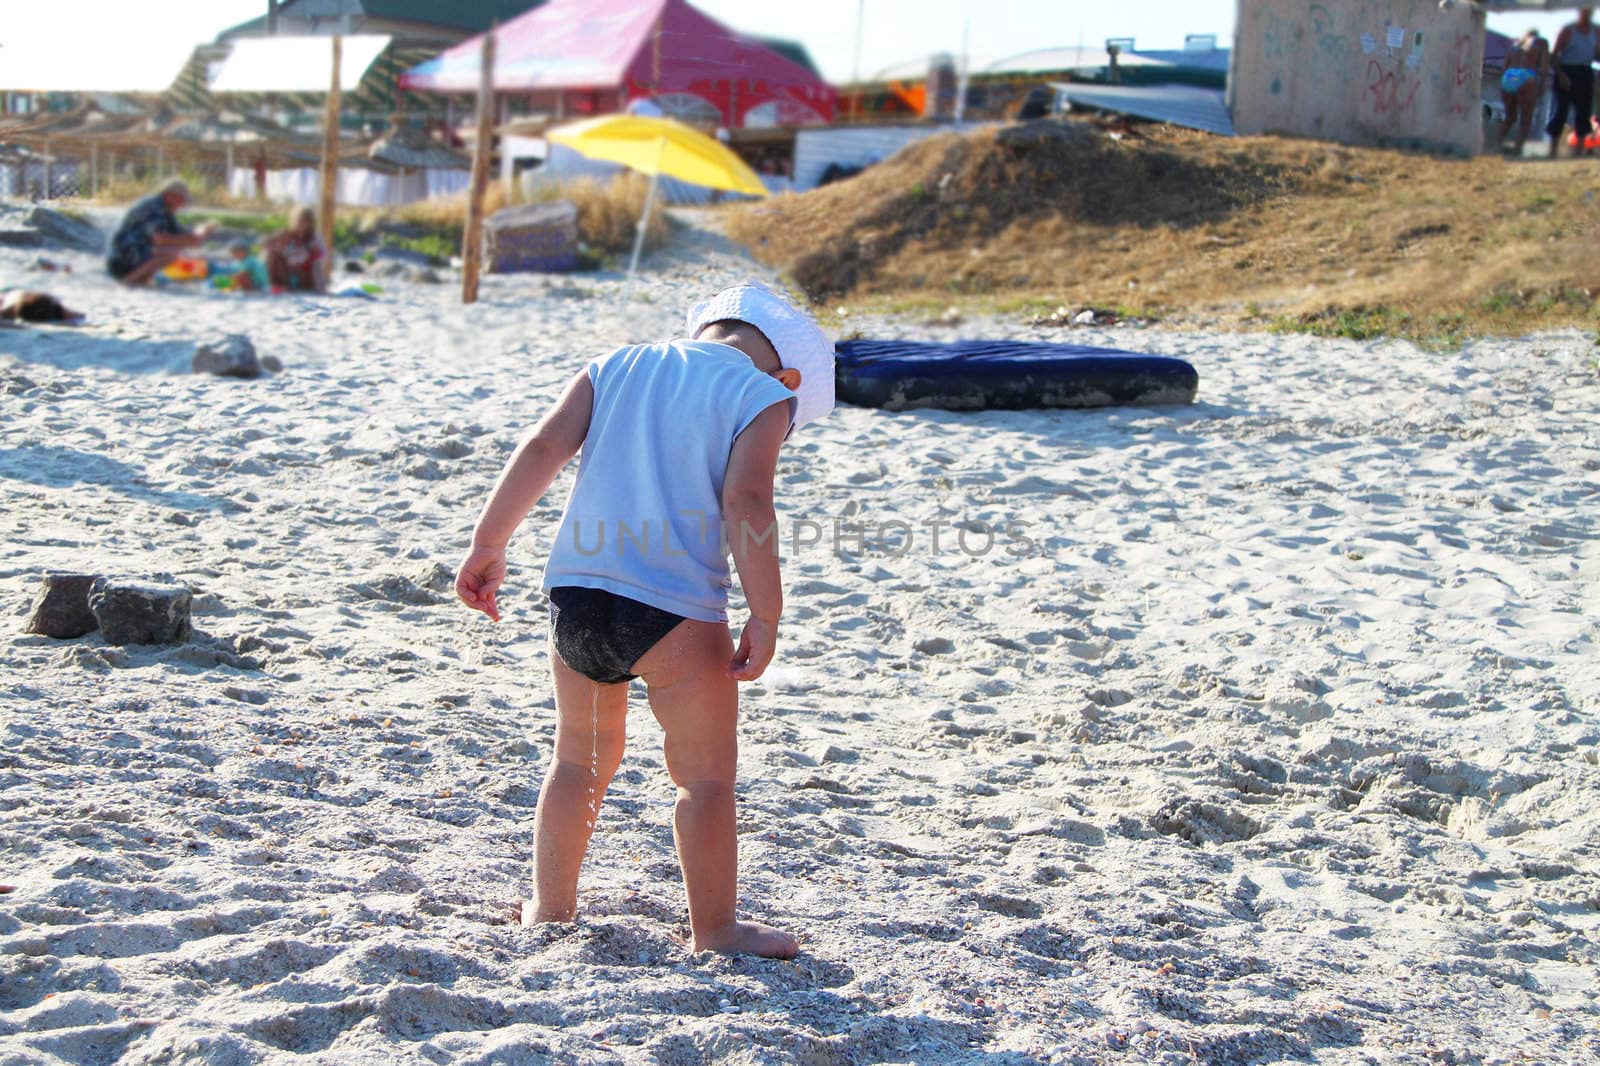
1197,229
607,211
204,188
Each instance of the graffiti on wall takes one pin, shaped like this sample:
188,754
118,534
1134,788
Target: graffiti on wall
1400,71
1390,92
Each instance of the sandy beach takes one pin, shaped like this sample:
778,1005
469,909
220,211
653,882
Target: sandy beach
1265,730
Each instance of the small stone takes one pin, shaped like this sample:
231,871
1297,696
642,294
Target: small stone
272,364
140,614
1083,318
423,276
230,355
62,609
935,646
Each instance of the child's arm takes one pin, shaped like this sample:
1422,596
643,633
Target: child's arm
531,469
751,526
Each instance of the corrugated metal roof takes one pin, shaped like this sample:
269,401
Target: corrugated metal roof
1180,105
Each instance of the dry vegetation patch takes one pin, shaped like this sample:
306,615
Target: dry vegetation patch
1193,228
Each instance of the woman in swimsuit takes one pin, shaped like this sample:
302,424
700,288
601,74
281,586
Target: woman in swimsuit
1522,84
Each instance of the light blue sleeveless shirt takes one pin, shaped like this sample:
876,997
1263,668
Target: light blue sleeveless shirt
1580,49
645,517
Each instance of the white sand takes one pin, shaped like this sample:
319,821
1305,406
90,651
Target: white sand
1283,746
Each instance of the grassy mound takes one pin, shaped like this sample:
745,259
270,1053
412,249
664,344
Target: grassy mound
1189,227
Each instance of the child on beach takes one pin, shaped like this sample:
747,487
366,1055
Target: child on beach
679,445
241,271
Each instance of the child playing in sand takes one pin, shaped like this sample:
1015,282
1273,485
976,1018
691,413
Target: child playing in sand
679,446
241,271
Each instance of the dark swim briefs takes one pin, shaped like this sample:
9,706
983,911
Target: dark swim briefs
601,635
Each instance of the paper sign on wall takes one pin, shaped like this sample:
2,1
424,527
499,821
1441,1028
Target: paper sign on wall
1369,43
1414,60
1397,37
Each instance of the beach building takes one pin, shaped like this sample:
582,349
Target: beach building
1399,73
575,58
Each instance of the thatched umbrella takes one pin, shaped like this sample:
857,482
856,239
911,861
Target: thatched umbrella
411,148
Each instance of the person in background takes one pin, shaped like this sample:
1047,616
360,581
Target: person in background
1574,81
149,237
1522,84
297,260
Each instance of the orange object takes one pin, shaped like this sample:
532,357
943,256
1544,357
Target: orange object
187,269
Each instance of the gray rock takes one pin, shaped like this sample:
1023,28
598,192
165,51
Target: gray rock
423,276
15,236
390,268
271,364
62,229
131,613
231,356
390,253
62,609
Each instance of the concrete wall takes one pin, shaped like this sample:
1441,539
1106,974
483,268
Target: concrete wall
1403,73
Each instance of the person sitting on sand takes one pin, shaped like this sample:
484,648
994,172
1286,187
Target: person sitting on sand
1522,84
297,260
149,236
1575,51
680,441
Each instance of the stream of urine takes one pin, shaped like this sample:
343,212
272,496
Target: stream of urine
594,750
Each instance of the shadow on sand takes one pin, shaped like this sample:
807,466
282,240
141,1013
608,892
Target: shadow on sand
58,468
73,349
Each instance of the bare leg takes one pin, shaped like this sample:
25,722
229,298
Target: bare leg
697,704
278,275
591,721
1528,99
158,261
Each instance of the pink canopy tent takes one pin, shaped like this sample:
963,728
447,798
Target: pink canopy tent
585,57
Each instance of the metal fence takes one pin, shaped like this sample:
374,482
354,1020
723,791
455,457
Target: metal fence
29,175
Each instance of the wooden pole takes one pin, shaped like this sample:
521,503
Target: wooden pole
330,153
472,237
94,169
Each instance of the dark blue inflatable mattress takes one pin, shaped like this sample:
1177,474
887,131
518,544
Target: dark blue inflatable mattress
976,375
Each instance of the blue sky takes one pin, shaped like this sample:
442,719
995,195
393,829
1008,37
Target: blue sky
158,34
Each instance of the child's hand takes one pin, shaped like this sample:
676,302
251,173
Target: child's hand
756,646
479,578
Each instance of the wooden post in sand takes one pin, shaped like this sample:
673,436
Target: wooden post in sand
472,236
330,153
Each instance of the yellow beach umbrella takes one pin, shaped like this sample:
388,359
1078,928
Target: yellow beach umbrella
657,146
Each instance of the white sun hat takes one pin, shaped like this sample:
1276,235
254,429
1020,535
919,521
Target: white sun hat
793,334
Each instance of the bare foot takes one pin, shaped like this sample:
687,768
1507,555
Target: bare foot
749,938
531,915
